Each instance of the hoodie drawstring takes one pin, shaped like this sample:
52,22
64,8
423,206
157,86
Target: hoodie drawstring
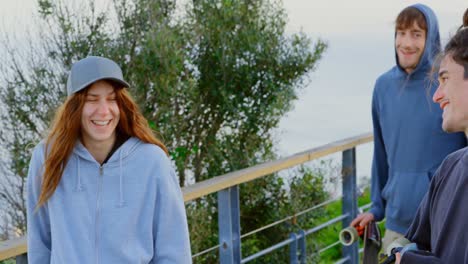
121,201
79,187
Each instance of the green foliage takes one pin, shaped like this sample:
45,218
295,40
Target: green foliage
258,73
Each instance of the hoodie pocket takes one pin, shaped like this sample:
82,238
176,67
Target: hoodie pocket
404,193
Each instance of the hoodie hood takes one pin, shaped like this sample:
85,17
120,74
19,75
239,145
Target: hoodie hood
122,152
432,46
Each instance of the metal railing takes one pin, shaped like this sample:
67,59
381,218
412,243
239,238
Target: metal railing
227,188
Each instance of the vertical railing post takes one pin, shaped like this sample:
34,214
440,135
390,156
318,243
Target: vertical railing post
293,249
22,259
302,247
350,200
229,226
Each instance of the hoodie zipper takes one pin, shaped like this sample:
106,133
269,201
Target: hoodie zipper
98,208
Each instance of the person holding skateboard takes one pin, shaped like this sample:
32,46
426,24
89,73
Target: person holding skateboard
409,143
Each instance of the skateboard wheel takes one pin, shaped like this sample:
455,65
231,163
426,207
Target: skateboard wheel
348,236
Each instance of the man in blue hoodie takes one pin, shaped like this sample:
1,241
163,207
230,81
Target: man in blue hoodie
409,143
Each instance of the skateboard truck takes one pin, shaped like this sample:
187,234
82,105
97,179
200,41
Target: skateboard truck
370,234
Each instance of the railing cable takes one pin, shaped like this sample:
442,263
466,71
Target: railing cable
205,251
290,217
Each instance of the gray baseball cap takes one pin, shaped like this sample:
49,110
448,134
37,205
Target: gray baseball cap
92,69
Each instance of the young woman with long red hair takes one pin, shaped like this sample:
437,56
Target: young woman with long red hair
101,188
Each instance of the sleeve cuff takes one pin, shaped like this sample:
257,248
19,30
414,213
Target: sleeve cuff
378,213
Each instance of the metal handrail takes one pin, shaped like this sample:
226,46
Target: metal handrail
219,183
272,224
13,247
18,246
290,240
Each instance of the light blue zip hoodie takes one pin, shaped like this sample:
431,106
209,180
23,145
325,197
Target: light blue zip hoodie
409,143
130,210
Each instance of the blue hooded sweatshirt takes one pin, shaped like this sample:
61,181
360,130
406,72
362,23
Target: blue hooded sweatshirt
129,210
409,143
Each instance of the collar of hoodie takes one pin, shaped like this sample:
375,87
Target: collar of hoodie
82,154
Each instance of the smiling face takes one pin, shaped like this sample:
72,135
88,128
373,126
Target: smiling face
409,44
452,95
100,115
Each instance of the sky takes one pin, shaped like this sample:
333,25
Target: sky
336,103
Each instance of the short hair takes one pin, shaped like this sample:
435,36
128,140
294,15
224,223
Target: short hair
457,46
408,16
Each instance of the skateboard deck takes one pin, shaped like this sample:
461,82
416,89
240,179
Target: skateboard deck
372,244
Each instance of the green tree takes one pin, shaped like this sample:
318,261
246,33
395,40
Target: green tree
213,79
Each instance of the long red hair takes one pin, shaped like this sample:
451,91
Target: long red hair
66,130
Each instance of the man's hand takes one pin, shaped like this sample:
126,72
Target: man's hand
397,258
362,219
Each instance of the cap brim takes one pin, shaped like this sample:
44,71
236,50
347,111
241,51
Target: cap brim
119,81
